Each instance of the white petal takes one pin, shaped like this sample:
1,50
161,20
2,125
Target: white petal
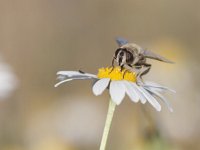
70,79
75,73
117,91
65,76
151,99
158,87
59,83
142,97
155,88
131,92
161,97
100,86
68,73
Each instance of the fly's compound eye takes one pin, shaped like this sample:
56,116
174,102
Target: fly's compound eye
117,51
129,57
121,53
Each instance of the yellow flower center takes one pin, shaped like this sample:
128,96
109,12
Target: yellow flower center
115,73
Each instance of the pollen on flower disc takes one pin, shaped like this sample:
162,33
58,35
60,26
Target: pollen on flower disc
115,73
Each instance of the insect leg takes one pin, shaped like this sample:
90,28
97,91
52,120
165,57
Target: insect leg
124,73
144,71
134,69
121,67
112,65
113,61
131,68
126,70
81,71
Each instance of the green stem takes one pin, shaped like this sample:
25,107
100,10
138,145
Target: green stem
110,113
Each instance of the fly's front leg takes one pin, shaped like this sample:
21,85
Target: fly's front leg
113,61
112,64
126,70
132,68
121,67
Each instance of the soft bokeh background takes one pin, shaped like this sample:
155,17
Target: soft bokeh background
40,37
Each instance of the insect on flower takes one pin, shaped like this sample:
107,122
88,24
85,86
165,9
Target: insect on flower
133,57
122,80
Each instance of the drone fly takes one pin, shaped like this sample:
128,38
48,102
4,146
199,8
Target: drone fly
133,57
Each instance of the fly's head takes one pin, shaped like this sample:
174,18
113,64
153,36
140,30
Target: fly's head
123,56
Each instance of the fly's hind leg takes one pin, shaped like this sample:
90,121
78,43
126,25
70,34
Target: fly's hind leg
144,70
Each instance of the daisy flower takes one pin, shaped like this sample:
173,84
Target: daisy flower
119,83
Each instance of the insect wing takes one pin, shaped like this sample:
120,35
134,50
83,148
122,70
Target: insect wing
150,54
121,41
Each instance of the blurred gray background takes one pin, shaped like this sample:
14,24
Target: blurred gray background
40,37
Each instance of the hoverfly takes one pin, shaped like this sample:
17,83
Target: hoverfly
133,57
